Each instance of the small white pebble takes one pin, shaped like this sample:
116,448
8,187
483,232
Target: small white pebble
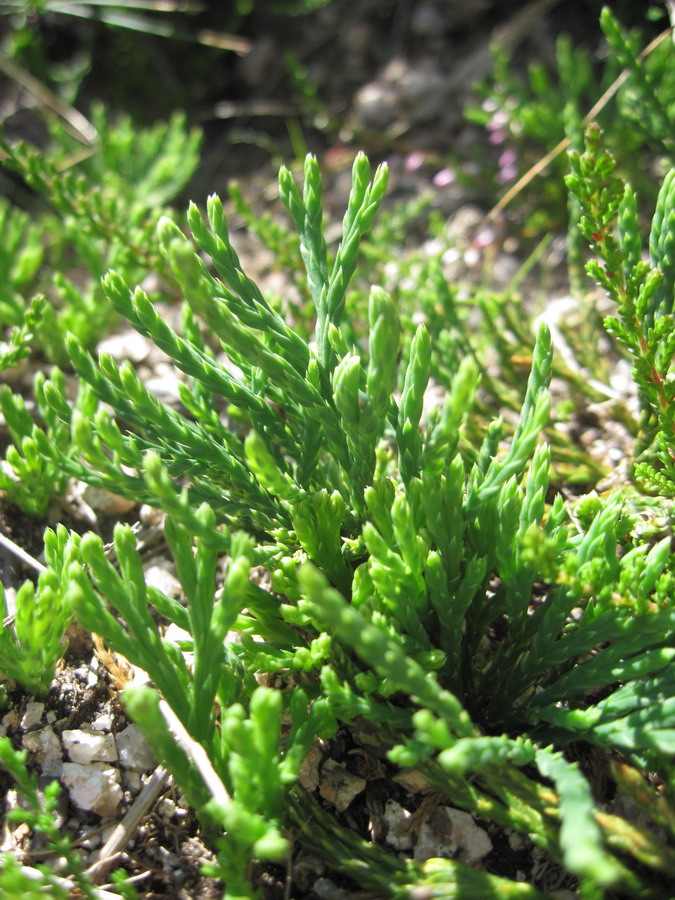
134,751
131,781
45,746
95,788
397,820
102,723
85,746
105,502
33,715
166,808
161,578
126,345
11,719
516,841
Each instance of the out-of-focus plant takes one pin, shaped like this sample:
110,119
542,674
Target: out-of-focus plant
105,202
528,118
38,811
18,345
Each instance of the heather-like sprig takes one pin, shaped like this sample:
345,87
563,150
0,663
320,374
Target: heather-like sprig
105,206
642,291
20,258
18,344
328,288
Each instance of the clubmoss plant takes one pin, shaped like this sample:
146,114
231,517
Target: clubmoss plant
18,344
29,478
38,812
435,591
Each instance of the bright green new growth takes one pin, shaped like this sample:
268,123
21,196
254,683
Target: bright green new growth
32,641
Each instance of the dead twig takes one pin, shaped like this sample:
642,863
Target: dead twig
125,829
77,124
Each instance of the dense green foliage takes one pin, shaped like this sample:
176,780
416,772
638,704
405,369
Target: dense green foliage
422,573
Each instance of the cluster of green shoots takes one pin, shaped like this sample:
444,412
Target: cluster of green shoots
423,572
433,587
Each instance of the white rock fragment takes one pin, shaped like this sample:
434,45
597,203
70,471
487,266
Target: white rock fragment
131,781
95,788
10,720
150,517
127,345
104,722
163,579
45,747
397,820
166,808
85,746
338,786
103,501
33,715
174,634
139,676
306,870
453,834
413,781
471,839
134,751
517,841
164,385
309,770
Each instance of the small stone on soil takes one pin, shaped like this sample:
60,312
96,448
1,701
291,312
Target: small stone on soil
84,746
133,749
32,716
338,786
45,747
94,788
